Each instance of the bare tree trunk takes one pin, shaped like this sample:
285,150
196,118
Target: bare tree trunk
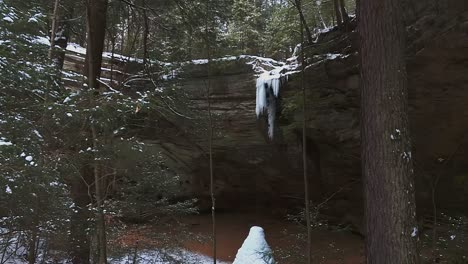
210,139
344,14
339,18
96,11
100,221
190,45
79,240
320,17
298,5
112,60
434,183
145,35
96,15
391,231
135,254
122,38
62,36
53,29
62,42
304,153
213,199
32,249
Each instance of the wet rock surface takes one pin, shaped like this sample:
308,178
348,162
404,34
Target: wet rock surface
252,170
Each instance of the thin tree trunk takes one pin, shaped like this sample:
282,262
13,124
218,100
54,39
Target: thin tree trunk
33,240
434,182
344,14
213,199
129,36
210,139
96,22
7,243
62,42
45,255
135,254
190,44
145,35
135,40
320,17
53,29
90,73
32,246
298,4
391,231
100,222
304,153
79,240
62,38
112,61
339,18
122,37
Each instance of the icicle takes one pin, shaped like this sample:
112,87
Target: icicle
271,116
275,84
261,97
269,85
268,88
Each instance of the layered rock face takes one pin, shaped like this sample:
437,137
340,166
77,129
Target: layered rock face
252,170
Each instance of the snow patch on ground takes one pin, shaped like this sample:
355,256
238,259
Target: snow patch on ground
15,252
165,257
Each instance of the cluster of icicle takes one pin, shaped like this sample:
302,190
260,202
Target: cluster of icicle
268,88
269,84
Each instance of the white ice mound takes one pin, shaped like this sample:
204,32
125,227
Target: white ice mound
255,249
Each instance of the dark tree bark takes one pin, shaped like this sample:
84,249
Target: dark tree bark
210,134
391,230
304,152
344,14
145,35
32,247
99,197
79,240
63,35
298,5
96,11
62,42
54,28
339,18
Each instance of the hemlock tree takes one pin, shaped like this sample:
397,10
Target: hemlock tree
390,207
245,31
280,35
96,11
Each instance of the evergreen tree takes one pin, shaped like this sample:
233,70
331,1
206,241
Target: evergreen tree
245,27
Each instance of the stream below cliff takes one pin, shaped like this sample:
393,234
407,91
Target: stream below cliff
286,238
